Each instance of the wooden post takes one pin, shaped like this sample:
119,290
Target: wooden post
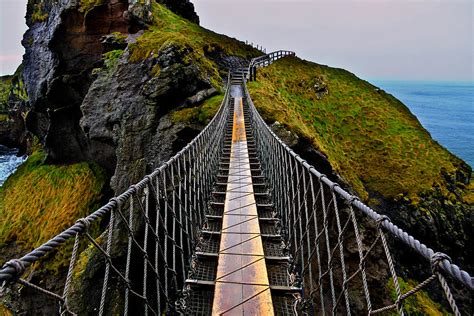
255,73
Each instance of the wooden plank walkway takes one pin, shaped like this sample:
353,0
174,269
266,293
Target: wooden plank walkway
242,286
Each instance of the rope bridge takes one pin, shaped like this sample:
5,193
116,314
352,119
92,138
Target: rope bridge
162,244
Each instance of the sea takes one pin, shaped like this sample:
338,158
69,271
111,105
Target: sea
445,109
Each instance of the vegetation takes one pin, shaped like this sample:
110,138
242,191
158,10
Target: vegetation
18,89
87,5
202,114
39,201
370,138
119,38
111,58
469,196
39,14
195,43
5,85
419,303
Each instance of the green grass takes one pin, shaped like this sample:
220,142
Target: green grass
111,58
87,5
202,113
370,138
5,86
39,14
39,201
417,304
193,41
18,88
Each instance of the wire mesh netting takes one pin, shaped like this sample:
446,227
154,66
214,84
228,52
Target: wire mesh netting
343,250
345,255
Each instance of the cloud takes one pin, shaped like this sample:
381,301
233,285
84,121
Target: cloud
16,57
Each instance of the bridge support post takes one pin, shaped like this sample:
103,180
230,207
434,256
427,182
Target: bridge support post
254,73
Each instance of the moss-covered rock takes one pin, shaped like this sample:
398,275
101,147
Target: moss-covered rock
201,113
5,85
199,45
87,5
417,304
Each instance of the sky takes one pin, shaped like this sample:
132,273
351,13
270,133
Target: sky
375,39
12,27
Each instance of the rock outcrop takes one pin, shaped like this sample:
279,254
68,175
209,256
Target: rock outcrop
59,56
125,114
13,109
85,98
183,8
63,44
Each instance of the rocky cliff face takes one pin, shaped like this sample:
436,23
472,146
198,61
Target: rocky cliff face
126,114
63,44
59,56
14,106
79,93
101,82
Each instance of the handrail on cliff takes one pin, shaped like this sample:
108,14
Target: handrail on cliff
169,205
428,253
265,60
269,142
189,172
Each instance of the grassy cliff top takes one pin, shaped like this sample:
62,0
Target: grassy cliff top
197,43
370,138
39,201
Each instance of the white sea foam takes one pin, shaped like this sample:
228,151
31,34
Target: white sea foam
8,162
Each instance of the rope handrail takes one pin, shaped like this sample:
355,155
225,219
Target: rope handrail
170,204
190,192
452,269
302,194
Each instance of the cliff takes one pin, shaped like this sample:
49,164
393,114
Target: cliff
106,93
109,91
363,137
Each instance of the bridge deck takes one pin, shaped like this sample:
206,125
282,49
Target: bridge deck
242,286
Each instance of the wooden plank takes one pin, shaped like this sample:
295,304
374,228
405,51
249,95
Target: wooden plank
242,286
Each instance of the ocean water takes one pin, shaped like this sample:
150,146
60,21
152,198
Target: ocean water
8,162
445,109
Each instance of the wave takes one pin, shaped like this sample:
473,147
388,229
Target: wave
9,162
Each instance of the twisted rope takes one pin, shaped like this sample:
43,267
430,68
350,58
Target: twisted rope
179,190
451,269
